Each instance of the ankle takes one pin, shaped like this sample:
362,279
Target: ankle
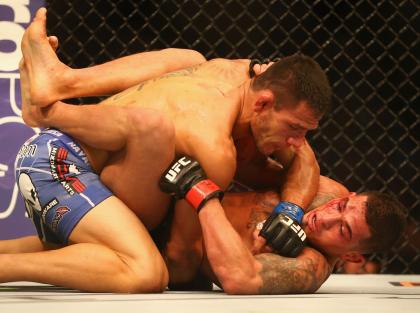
69,84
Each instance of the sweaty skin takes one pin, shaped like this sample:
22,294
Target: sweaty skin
276,274
216,119
130,139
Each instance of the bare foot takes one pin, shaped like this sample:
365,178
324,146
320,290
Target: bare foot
31,114
47,75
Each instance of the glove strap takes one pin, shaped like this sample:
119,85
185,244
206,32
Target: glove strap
202,192
290,209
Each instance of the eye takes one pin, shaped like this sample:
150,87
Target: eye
340,206
294,127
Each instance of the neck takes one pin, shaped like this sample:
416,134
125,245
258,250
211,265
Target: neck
242,125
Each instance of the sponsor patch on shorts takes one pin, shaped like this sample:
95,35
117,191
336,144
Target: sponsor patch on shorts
46,208
63,172
59,214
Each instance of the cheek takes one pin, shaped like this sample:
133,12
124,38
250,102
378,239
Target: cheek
325,238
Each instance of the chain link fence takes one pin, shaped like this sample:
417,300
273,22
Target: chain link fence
370,49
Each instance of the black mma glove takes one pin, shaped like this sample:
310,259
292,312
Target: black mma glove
282,230
260,62
185,178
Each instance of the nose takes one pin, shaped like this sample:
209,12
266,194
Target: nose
330,219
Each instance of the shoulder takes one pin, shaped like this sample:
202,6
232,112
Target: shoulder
227,67
218,160
223,61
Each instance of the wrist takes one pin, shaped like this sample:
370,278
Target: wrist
290,209
202,192
295,195
209,207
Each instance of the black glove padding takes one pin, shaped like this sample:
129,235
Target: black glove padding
180,176
284,235
185,178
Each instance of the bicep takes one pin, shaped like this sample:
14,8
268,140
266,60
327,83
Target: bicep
219,165
280,275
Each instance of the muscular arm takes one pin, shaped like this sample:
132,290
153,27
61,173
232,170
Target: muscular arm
184,249
280,275
239,272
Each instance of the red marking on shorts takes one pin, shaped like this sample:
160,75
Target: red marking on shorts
78,185
62,154
62,170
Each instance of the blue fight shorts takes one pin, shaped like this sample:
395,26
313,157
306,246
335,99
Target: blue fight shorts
57,184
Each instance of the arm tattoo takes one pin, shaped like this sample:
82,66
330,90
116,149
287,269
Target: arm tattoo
184,72
282,275
140,87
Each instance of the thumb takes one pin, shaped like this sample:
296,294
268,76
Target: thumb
259,242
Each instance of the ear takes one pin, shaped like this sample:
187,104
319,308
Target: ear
354,257
265,100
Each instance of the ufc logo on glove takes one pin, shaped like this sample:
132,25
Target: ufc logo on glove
176,168
297,229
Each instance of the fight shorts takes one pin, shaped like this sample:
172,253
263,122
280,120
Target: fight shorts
57,184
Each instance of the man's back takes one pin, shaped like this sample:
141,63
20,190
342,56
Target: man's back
203,104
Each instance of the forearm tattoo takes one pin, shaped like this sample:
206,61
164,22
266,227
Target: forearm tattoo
282,275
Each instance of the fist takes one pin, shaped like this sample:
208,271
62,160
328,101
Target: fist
284,235
186,179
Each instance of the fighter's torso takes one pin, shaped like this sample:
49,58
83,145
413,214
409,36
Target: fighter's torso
198,100
203,104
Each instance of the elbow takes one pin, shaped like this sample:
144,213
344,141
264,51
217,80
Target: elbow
240,285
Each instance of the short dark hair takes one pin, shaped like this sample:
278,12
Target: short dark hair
300,77
386,218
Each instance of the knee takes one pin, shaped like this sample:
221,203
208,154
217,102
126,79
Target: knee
147,276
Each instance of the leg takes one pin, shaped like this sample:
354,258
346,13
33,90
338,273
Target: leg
111,251
24,245
148,151
51,80
142,142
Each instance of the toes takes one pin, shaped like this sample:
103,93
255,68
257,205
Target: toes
53,40
41,14
38,26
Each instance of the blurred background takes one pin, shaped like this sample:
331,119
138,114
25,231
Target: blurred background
370,50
